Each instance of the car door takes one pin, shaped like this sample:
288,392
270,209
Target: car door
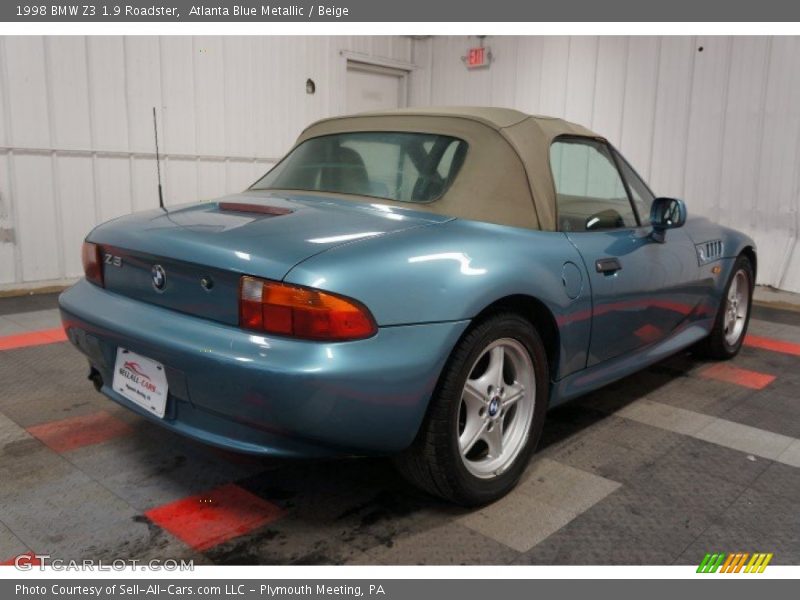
642,290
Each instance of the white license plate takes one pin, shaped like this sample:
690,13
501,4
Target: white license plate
141,380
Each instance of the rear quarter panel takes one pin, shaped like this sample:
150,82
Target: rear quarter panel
452,271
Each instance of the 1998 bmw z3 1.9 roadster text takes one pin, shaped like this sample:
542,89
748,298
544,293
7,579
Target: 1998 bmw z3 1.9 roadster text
422,283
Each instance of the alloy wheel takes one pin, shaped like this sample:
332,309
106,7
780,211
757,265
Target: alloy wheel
736,307
497,406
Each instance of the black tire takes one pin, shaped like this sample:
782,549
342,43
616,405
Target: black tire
715,346
433,462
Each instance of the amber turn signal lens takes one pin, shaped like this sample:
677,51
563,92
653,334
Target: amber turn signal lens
92,264
301,312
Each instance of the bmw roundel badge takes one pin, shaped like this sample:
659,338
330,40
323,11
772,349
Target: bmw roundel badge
159,277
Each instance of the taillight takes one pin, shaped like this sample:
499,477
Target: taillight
92,263
301,312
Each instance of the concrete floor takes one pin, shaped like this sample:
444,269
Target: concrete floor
684,458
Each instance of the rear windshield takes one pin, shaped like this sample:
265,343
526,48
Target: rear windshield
408,167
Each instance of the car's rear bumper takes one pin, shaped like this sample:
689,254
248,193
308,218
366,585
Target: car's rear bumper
264,394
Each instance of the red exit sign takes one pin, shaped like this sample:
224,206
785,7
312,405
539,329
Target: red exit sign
478,57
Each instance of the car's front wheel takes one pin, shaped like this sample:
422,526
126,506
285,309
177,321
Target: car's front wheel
486,416
730,327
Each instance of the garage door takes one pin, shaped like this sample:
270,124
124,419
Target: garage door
371,87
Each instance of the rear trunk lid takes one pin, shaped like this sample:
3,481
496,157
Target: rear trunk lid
202,250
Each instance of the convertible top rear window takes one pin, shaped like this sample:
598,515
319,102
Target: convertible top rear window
406,167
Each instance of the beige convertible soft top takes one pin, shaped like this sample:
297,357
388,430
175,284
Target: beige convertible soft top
505,178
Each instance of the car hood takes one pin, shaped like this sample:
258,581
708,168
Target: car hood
296,226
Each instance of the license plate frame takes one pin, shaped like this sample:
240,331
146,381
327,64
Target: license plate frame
141,380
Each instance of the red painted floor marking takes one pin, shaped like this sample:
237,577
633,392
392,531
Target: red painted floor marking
764,343
211,518
77,432
32,338
30,559
648,333
744,377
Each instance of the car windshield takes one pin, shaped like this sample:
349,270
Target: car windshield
407,167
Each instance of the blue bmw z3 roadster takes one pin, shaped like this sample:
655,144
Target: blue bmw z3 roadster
420,283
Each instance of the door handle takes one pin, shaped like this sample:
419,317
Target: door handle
607,265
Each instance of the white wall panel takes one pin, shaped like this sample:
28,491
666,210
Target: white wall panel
503,72
178,122
144,184
641,83
209,94
581,76
671,118
553,76
706,132
7,249
609,87
68,92
211,180
37,225
743,131
180,181
26,75
4,116
391,47
358,44
776,215
277,97
420,78
75,180
240,174
449,86
530,54
143,89
791,275
108,93
317,54
240,75
780,151
112,176
381,46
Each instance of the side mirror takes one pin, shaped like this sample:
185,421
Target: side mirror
666,213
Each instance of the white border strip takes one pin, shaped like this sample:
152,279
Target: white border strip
401,28
268,574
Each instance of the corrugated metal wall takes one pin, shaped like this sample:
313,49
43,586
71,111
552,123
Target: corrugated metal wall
76,132
713,120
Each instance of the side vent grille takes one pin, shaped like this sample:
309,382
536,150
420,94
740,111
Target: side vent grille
709,251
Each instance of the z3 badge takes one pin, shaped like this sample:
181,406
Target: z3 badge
110,259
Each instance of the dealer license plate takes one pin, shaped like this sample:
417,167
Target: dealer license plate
141,380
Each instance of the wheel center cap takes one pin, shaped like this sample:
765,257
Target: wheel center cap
494,406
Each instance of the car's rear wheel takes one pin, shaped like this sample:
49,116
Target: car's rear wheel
733,316
486,416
